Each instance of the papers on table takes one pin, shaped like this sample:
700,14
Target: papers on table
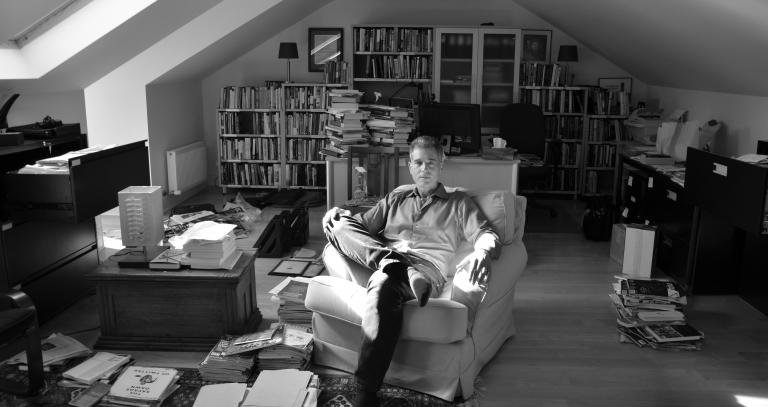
283,388
101,365
56,348
220,395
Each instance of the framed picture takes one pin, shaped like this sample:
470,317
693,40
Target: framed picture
616,84
325,44
289,268
537,45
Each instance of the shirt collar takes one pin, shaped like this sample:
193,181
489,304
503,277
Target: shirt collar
439,192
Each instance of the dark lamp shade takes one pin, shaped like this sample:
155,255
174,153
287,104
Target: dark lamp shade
568,53
288,50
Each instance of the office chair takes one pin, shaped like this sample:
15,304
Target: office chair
522,126
18,319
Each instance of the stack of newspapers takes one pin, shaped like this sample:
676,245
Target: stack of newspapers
650,313
218,366
290,295
294,351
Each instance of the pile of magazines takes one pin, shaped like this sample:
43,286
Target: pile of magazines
222,367
294,351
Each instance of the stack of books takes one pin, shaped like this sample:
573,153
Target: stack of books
294,351
142,386
218,366
345,121
290,295
100,366
389,125
57,349
208,245
650,313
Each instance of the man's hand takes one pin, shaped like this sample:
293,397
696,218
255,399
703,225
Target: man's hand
478,263
334,214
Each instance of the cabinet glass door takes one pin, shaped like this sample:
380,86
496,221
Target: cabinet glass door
500,53
456,67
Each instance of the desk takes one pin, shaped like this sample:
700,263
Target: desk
187,310
470,172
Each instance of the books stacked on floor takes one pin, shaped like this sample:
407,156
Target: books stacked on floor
142,386
57,349
100,366
650,312
285,387
294,351
208,245
389,125
345,121
290,295
222,367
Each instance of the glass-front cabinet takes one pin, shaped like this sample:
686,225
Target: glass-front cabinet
480,66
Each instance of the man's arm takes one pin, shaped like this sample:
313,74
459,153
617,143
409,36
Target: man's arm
477,229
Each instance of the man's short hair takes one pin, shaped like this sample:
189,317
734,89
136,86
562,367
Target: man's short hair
427,142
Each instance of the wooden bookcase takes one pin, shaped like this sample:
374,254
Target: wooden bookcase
269,137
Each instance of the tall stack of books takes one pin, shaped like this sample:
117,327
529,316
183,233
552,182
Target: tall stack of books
345,121
650,313
208,245
142,386
294,351
222,367
290,295
389,125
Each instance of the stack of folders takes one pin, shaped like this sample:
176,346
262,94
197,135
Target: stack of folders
290,294
650,313
285,388
293,352
101,365
208,245
141,386
220,367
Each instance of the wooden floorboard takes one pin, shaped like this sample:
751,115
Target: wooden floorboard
566,352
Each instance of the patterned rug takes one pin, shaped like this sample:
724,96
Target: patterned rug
335,391
339,391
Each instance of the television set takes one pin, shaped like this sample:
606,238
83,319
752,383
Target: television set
456,124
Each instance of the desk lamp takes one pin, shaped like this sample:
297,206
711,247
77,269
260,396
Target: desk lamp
141,225
288,51
568,53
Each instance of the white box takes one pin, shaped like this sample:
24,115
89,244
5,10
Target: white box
618,237
639,250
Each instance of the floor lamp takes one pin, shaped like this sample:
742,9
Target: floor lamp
288,51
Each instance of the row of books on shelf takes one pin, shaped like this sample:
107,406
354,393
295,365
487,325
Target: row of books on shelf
304,123
650,313
564,127
593,184
391,39
250,148
609,102
336,72
257,123
540,74
606,130
250,97
305,174
305,149
253,174
601,155
306,97
393,66
555,100
562,153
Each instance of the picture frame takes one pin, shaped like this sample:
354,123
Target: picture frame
289,268
537,46
616,84
325,44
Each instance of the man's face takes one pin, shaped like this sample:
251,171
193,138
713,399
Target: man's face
425,166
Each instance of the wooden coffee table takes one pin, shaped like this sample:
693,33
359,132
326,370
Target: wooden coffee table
186,310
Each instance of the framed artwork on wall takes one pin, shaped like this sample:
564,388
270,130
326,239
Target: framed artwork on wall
537,46
325,44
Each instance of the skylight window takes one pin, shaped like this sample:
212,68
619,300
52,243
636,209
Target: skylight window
52,14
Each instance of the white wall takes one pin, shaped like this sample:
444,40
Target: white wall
261,63
69,107
172,124
744,117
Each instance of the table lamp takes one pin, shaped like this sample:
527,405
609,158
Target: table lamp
568,53
288,51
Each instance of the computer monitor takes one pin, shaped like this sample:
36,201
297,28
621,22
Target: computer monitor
457,122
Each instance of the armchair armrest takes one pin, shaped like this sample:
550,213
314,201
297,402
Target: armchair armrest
18,299
505,271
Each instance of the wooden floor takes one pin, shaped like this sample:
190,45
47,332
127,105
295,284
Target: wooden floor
566,352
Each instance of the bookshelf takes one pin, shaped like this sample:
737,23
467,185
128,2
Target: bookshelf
385,58
584,127
269,137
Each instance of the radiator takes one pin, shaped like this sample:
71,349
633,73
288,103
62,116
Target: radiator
186,167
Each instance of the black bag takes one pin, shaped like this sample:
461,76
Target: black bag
598,219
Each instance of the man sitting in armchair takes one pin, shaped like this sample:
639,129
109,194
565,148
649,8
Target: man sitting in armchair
408,240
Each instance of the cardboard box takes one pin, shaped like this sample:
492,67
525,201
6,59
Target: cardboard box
639,250
617,242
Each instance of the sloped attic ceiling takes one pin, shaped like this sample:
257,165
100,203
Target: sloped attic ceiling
712,45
